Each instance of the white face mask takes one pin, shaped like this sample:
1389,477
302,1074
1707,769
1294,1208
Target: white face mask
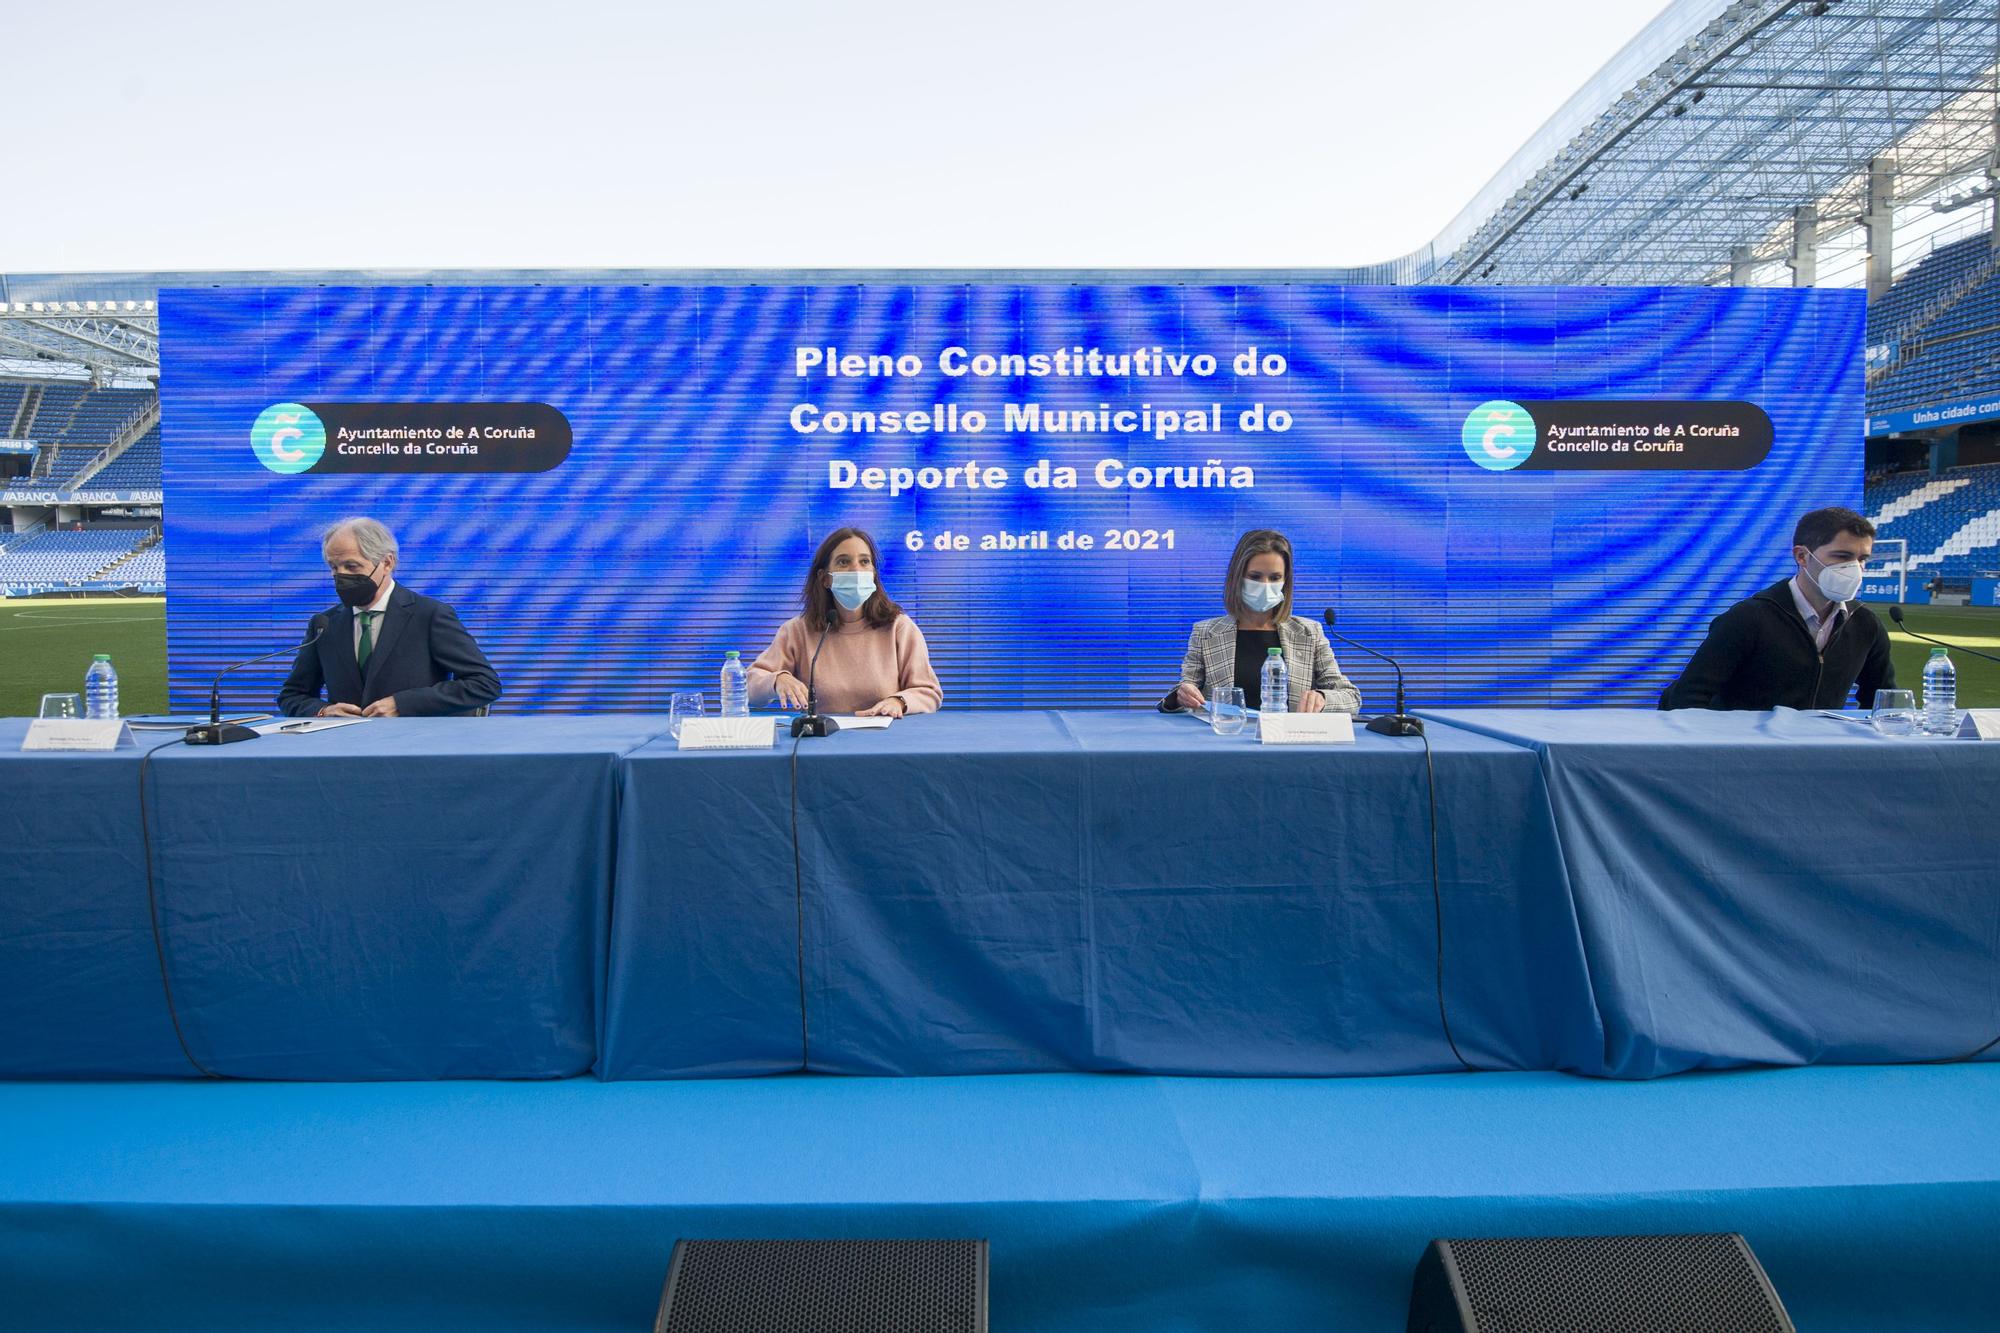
853,587
1261,597
1838,583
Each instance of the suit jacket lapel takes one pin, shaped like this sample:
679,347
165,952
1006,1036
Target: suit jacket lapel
1218,654
1296,638
387,629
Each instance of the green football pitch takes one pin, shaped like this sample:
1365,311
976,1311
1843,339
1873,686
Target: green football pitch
46,645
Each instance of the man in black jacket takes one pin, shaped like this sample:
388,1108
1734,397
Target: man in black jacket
386,652
1801,643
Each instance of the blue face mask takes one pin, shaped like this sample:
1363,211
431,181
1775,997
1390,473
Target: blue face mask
1261,597
853,587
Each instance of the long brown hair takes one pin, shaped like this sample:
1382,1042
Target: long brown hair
1259,542
820,607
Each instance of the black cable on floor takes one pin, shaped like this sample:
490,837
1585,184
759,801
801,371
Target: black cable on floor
1437,903
799,903
153,909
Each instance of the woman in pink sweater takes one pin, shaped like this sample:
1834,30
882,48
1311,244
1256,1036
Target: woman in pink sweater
875,662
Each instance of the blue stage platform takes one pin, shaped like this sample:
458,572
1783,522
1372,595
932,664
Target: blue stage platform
1872,1195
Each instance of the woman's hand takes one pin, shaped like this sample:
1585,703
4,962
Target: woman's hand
1314,702
791,690
889,707
1190,695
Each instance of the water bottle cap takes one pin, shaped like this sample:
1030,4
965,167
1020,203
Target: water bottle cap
1937,652
732,654
1274,652
102,657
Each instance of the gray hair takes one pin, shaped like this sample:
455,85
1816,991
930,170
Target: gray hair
376,542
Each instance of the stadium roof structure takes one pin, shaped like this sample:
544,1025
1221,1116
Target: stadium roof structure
1696,154
1716,125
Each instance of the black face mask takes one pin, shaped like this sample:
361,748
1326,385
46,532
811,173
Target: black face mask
357,590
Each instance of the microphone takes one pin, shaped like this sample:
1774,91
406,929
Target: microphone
810,723
1399,723
1896,614
216,732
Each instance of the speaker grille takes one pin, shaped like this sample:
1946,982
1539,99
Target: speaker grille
1633,1284
826,1286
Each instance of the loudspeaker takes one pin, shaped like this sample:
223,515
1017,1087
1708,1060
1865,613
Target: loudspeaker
825,1286
1594,1284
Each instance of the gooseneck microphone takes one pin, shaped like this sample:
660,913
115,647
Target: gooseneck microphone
810,723
1399,723
215,732
1896,614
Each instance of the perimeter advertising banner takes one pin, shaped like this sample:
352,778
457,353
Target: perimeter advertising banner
1531,496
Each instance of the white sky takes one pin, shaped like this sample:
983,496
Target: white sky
893,134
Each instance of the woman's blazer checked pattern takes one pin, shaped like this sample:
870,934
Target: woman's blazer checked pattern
1309,664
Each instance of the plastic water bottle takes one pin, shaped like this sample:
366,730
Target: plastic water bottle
735,687
100,688
1276,685
1940,694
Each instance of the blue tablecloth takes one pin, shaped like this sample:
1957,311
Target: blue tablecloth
1773,888
416,899
1629,894
1112,891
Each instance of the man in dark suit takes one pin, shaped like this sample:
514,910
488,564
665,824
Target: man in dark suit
1803,642
386,652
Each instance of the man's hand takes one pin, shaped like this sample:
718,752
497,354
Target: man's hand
1314,702
1190,695
340,710
383,707
791,690
889,707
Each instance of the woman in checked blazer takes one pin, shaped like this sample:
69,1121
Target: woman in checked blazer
1230,649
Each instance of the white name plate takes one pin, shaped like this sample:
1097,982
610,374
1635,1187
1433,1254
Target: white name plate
57,733
1305,728
1980,724
728,733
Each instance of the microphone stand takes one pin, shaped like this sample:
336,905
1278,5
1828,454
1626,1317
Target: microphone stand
1896,614
1399,723
810,723
216,732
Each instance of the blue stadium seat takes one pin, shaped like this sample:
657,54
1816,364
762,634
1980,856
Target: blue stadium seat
138,468
1955,529
58,558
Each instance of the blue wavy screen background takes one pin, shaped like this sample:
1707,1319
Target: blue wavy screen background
682,520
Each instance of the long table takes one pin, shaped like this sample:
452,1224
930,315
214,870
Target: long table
1097,891
1773,888
417,899
1624,894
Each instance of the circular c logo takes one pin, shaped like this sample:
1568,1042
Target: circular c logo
288,437
1498,435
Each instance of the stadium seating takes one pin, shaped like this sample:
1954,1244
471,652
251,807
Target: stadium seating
1952,522
10,403
1932,277
56,558
1954,356
138,468
82,422
147,567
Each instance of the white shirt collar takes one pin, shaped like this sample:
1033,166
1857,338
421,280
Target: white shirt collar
381,602
1821,630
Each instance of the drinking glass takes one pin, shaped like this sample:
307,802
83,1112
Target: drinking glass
1895,712
66,706
685,705
1225,710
